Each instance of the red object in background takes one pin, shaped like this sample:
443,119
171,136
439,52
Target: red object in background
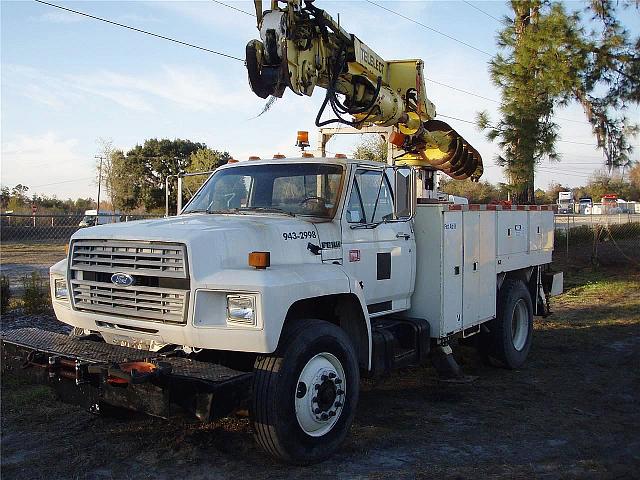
502,203
34,209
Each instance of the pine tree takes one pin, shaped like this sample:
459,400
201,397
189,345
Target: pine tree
547,60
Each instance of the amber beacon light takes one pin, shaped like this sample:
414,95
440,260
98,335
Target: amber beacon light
260,260
302,139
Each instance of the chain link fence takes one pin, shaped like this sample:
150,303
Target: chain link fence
598,239
53,228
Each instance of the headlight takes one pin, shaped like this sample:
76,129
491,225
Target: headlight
60,288
241,309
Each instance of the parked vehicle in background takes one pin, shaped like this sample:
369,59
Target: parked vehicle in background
565,202
585,205
91,218
610,204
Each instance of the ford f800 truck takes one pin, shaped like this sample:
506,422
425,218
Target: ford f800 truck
278,286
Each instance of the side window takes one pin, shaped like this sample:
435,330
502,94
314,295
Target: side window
371,199
384,207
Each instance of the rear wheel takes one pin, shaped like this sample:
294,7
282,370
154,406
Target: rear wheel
305,393
510,333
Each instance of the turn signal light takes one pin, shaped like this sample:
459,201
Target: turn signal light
254,157
302,139
260,260
307,155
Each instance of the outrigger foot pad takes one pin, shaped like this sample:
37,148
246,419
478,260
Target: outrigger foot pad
448,369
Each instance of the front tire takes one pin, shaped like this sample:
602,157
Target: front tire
305,393
511,332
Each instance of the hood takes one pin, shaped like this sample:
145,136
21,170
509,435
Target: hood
222,241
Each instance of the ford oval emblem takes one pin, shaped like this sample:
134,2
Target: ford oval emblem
122,279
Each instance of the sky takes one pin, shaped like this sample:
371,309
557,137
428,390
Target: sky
68,81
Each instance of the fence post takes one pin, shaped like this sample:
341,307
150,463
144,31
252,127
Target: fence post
567,237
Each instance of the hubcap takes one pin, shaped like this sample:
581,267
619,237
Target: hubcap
520,325
320,394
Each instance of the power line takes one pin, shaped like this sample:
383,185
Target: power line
461,90
430,28
473,123
64,181
234,8
455,118
480,10
77,12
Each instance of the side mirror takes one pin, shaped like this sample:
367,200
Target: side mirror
403,188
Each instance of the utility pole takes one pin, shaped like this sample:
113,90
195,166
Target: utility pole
101,158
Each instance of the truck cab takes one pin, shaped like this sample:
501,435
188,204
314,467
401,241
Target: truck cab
312,271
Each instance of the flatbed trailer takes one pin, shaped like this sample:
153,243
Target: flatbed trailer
93,374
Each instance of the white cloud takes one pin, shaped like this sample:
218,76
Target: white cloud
57,17
41,160
188,88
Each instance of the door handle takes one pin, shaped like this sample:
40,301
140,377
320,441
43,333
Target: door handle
406,236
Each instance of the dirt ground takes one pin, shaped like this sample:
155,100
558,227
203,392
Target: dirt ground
572,412
19,259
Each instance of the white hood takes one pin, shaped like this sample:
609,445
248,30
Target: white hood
222,241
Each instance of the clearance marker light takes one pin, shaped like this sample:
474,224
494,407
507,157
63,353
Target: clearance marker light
279,155
307,155
232,160
254,157
340,155
260,260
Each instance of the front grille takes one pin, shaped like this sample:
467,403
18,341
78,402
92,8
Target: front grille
160,291
165,305
136,258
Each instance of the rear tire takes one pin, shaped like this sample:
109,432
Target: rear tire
511,332
305,393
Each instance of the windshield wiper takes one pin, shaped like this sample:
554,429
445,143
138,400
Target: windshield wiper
265,209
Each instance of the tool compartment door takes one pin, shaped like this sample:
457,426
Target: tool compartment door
471,267
487,286
452,265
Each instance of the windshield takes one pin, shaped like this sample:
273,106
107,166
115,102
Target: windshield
309,189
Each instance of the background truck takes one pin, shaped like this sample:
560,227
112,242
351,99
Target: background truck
92,218
283,281
566,202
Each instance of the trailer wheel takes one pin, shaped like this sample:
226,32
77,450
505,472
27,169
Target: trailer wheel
305,393
510,333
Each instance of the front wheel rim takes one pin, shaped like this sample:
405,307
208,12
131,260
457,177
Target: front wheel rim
520,325
320,394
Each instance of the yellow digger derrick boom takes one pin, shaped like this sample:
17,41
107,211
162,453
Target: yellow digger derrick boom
301,47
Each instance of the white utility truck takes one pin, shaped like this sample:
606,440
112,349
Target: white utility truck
294,277
283,281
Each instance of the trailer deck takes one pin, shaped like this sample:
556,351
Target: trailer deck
90,373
